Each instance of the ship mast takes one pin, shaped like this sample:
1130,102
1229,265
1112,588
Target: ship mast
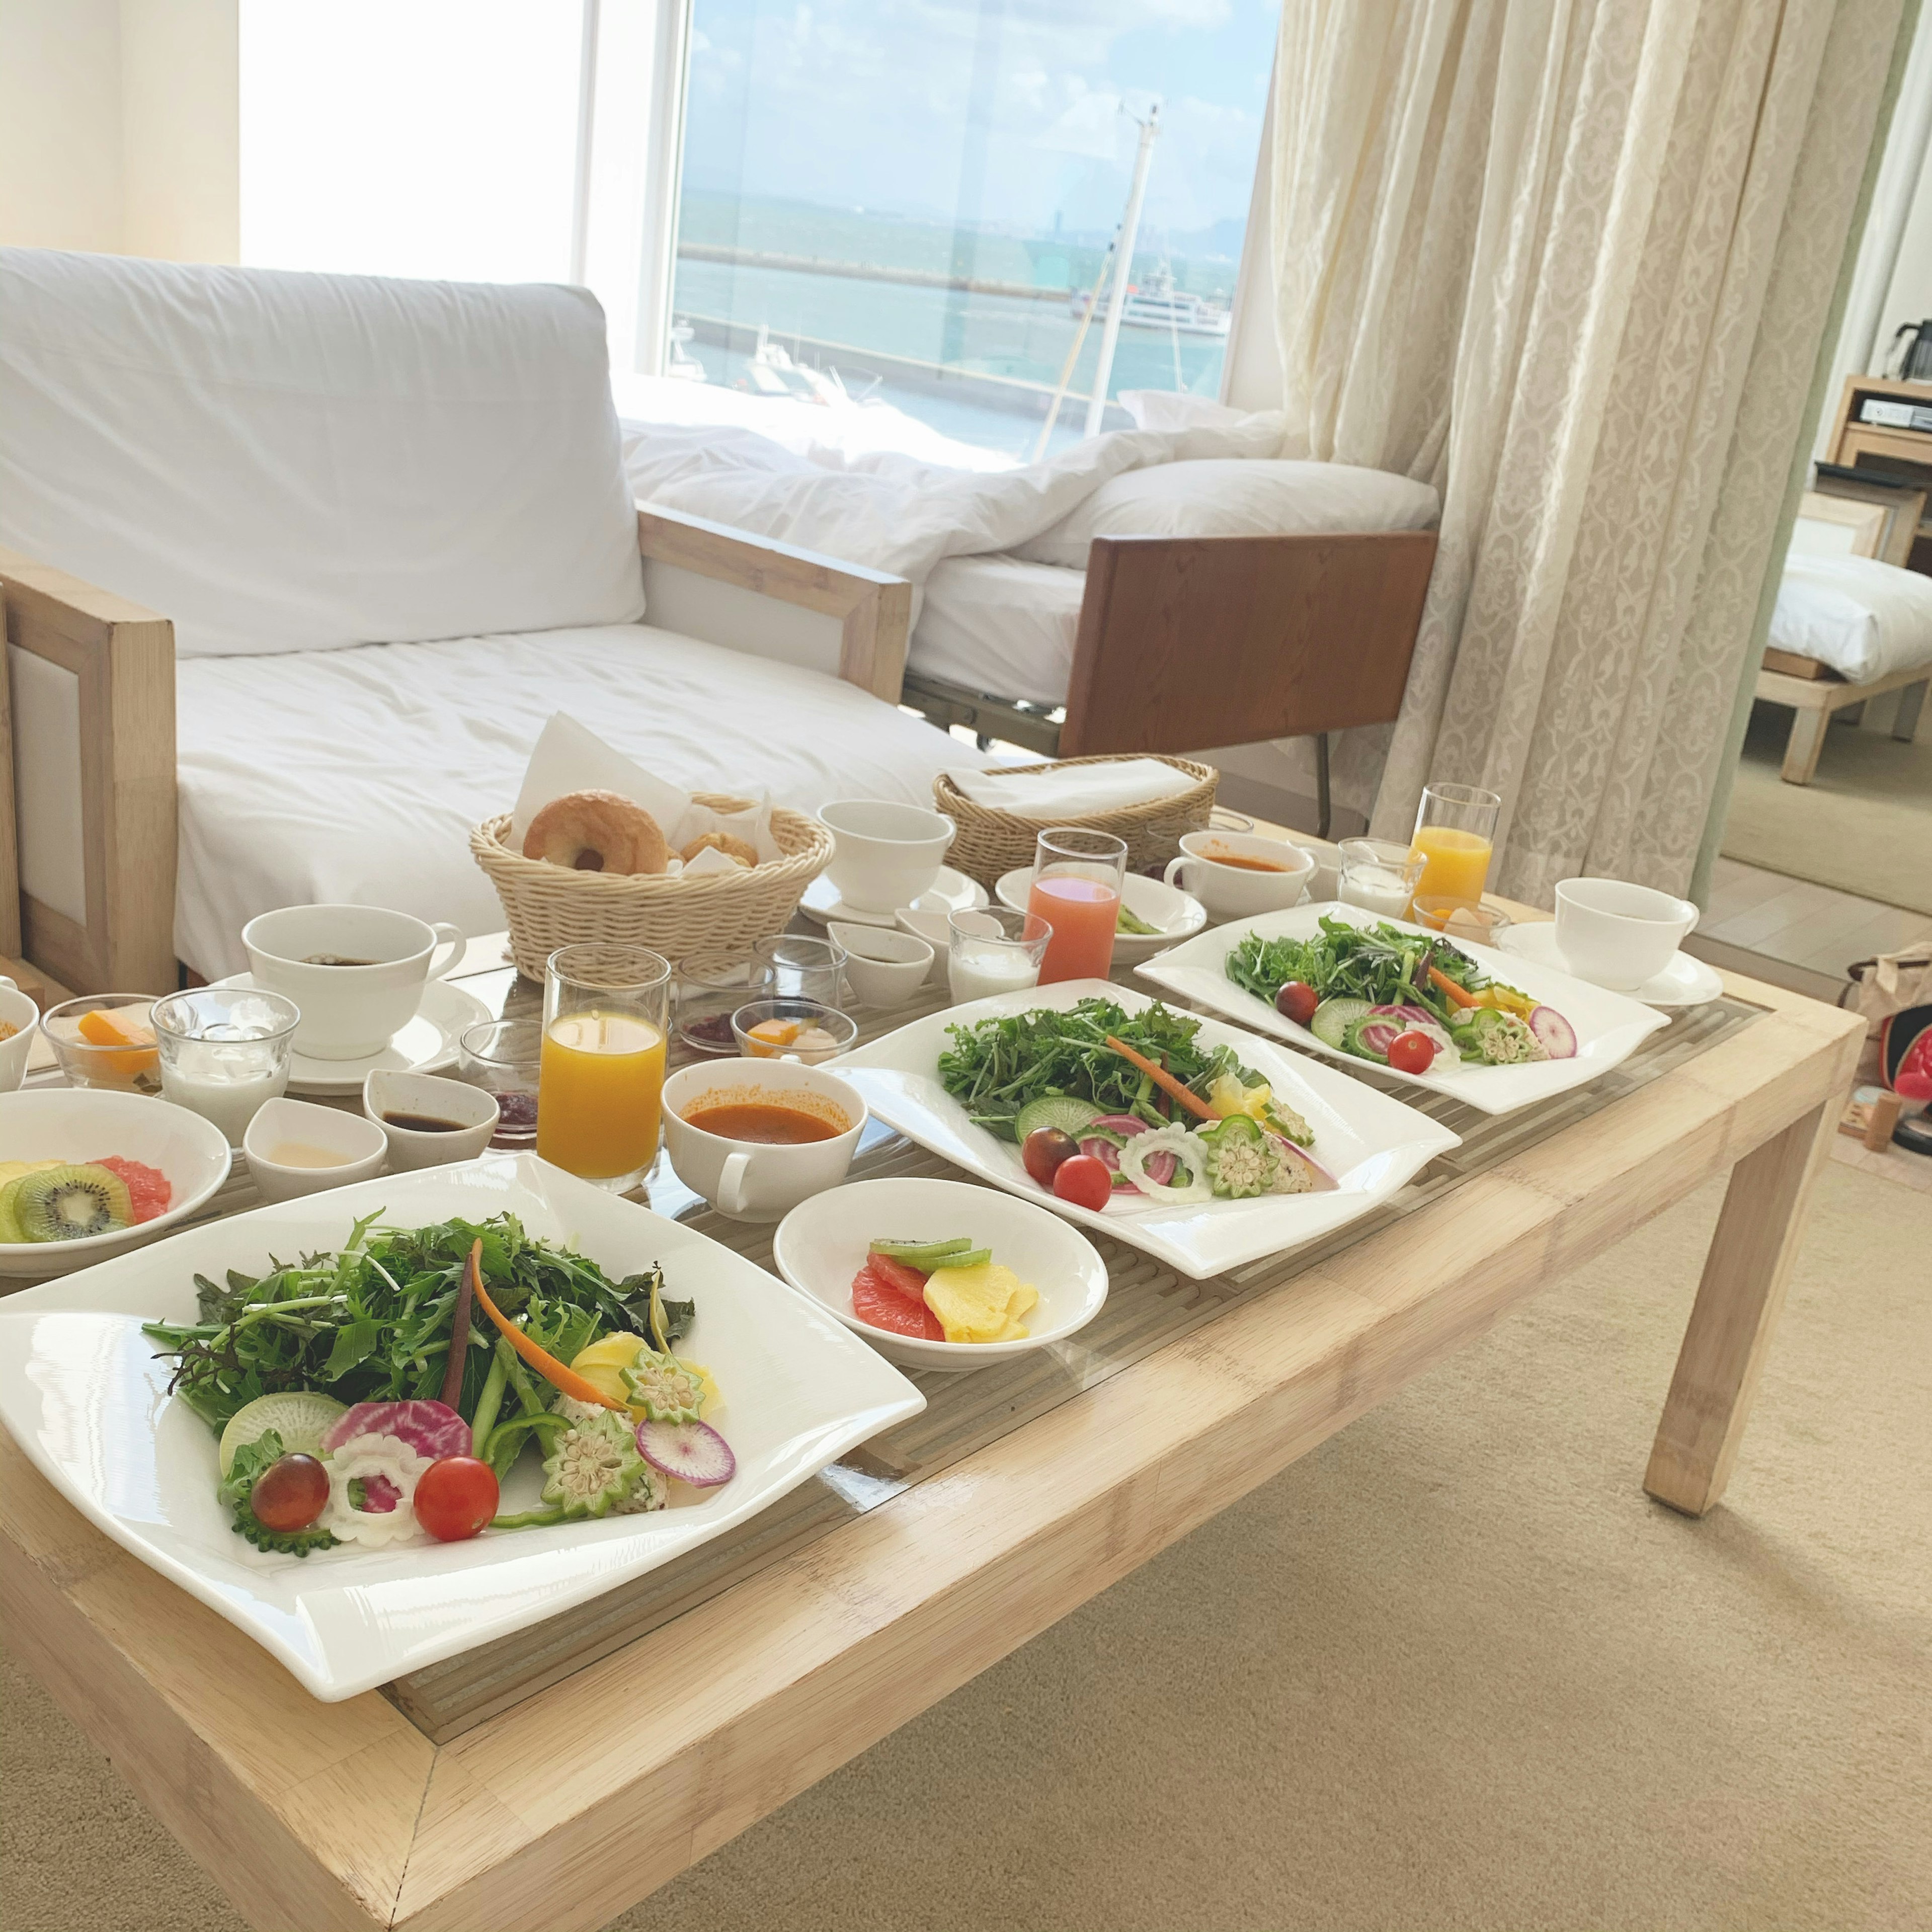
1130,223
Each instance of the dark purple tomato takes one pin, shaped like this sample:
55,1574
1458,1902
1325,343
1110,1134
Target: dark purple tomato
290,1493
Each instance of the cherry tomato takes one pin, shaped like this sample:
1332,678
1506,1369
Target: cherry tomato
1042,1151
1084,1181
290,1493
1410,1052
456,1497
1297,1001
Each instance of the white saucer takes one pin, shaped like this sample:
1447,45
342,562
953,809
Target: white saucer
952,892
1685,982
427,1045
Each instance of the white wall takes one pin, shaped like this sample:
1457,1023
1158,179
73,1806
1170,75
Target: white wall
118,127
60,124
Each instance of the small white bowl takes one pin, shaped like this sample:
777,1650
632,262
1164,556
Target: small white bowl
475,1112
20,1013
821,1244
885,968
281,1123
82,1123
1174,915
935,928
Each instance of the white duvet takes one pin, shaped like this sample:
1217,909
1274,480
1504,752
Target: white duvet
355,775
1863,618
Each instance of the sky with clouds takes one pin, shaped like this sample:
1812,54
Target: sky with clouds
1001,110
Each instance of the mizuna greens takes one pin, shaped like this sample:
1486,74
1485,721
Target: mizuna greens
372,1322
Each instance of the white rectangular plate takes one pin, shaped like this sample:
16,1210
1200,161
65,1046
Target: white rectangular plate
1372,1144
1608,1025
82,1392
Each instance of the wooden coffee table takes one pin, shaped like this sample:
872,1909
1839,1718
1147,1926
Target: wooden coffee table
575,1779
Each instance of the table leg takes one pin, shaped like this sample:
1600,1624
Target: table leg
1737,1307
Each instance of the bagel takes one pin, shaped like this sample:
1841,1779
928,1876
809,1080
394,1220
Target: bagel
596,831
732,847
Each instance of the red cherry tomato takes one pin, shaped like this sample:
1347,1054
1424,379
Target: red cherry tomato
456,1497
290,1493
1410,1052
1297,1001
1043,1150
1084,1181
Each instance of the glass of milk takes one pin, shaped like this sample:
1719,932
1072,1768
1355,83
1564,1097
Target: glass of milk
1379,875
995,950
224,1051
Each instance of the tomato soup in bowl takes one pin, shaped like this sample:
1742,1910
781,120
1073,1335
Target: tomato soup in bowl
756,1137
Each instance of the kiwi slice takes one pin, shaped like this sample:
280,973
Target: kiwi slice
67,1203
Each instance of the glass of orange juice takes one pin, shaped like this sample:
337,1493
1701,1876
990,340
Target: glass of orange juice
606,1018
1077,877
1455,832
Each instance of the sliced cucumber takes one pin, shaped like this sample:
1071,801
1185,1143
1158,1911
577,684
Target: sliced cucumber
301,1417
1331,1020
924,1256
1064,1111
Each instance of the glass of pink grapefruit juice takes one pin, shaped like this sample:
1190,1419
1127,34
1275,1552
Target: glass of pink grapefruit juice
1077,877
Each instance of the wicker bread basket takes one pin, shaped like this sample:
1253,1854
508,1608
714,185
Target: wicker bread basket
548,907
991,843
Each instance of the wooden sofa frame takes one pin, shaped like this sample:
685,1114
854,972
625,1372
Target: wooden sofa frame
87,716
1188,643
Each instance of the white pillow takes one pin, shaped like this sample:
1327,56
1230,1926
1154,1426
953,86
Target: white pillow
284,462
1236,496
1863,618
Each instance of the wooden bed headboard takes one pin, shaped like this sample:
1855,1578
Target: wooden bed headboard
1221,641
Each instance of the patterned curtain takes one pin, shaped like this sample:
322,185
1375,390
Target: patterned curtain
1571,261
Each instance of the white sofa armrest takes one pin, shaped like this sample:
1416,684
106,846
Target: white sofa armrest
703,578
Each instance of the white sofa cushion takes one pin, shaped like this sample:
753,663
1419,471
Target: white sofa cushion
282,462
354,776
1236,496
1863,618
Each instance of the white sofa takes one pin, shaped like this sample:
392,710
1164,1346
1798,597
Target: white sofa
383,527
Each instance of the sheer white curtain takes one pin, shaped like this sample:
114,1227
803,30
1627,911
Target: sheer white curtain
1570,260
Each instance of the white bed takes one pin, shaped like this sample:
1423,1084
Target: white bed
999,624
423,740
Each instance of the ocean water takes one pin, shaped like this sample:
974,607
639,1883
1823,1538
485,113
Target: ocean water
978,366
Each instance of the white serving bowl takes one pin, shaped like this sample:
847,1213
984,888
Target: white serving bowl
885,968
475,1112
822,1244
934,927
363,1145
1175,914
20,1013
82,1123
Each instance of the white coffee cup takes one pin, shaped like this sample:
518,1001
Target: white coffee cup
1618,935
886,854
760,1180
23,1016
1237,891
348,1011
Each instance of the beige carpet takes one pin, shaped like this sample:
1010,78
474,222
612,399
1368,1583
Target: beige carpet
1452,1670
1864,824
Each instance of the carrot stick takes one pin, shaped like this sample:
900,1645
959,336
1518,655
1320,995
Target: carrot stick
546,1364
1165,1080
1457,996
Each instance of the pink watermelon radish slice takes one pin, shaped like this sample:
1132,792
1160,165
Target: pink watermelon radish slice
692,1452
431,1429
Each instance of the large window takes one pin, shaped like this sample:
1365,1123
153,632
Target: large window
916,200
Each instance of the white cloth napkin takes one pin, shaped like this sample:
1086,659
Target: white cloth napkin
569,756
1073,791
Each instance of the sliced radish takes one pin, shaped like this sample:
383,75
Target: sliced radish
431,1429
1324,1181
1554,1033
301,1417
693,1452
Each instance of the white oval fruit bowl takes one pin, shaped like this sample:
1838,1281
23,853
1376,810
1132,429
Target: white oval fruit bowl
821,1244
79,1123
